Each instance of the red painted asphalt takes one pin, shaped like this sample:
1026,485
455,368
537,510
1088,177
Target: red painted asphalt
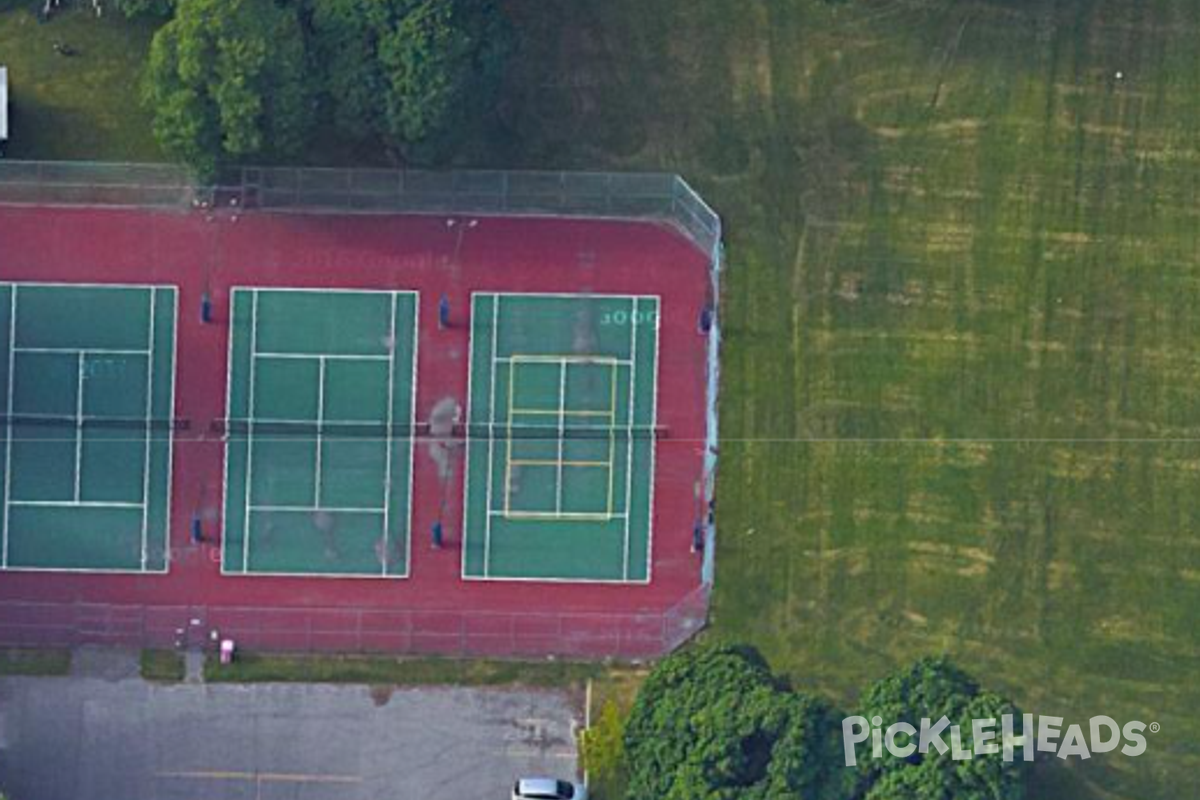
433,610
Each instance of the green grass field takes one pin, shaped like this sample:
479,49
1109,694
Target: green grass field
78,107
962,396
961,371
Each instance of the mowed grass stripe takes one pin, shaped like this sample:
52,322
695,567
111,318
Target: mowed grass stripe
1016,261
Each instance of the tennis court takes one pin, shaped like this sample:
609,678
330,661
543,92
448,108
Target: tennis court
320,413
561,423
87,378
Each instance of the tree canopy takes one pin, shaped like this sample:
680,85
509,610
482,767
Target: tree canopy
930,689
407,71
230,79
226,79
712,724
145,8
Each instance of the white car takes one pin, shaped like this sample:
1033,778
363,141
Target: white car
548,789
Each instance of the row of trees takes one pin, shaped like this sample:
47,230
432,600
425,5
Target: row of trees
713,723
234,79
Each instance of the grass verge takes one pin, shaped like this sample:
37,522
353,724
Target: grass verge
83,106
162,665
602,746
262,667
34,661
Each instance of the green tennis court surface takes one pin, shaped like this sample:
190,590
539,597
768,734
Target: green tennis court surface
87,378
318,463
560,458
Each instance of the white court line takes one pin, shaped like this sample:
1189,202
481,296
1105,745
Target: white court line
544,579
534,462
85,571
631,363
550,412
78,423
549,358
535,426
487,523
82,354
633,323
71,419
253,423
75,504
166,533
225,436
313,290
387,462
315,509
326,356
653,439
567,516
614,377
63,285
466,493
320,421
508,441
90,350
412,416
12,342
569,295
149,412
249,431
562,432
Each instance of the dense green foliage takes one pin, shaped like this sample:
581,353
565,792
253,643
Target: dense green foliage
712,723
226,78
930,689
408,71
230,79
603,752
145,8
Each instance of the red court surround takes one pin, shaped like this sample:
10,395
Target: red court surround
432,611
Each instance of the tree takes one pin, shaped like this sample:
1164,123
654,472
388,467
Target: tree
930,689
603,749
409,71
226,79
711,723
145,8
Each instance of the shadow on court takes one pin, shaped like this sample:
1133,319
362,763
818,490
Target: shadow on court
89,738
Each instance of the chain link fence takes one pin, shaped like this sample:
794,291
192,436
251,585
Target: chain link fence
659,196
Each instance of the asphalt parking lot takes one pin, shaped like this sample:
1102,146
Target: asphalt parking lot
96,738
